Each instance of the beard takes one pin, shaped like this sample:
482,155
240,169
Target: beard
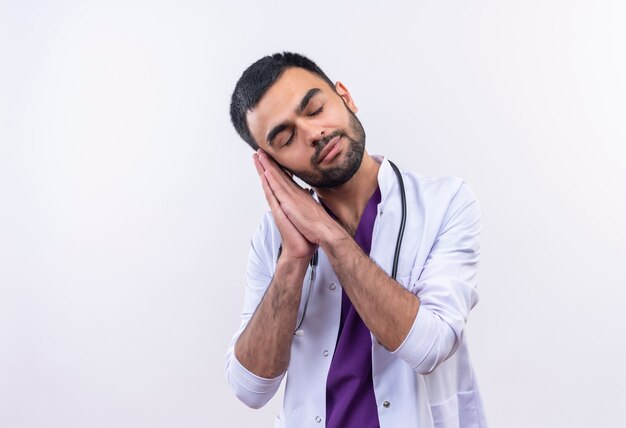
335,176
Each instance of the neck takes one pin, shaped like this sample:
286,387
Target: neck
349,200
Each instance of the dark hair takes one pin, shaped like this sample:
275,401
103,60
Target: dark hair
257,79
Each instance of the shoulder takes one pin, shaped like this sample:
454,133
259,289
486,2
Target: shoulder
439,190
443,200
264,247
428,189
266,232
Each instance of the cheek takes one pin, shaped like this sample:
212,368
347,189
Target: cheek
339,116
294,160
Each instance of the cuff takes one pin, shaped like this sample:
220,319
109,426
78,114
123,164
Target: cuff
418,343
248,383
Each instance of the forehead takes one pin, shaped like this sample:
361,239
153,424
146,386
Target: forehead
281,100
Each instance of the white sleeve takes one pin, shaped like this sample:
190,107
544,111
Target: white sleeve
446,286
253,390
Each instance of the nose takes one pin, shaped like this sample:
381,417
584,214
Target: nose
311,133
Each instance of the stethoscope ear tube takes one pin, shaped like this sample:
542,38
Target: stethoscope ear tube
313,264
396,256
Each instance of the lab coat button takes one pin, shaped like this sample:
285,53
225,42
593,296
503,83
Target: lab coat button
386,404
318,419
325,352
332,286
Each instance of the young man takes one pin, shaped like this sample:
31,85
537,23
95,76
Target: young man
369,334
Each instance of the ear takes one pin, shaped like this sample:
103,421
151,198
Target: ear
345,95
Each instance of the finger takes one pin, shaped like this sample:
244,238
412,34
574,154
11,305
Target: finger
265,159
274,204
257,164
284,186
269,163
277,184
267,189
263,174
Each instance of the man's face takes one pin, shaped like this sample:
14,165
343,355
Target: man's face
309,129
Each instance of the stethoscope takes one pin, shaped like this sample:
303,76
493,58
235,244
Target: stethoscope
298,331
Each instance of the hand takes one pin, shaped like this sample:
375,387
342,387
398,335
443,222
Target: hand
307,216
294,244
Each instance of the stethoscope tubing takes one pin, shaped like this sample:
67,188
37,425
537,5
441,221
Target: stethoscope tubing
396,256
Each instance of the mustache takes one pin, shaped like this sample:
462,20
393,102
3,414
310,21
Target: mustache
323,142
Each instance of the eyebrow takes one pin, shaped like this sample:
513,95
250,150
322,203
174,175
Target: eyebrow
274,132
303,103
305,100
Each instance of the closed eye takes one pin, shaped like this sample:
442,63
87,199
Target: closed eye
315,113
318,111
289,141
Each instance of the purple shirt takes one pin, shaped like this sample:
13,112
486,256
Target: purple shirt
350,399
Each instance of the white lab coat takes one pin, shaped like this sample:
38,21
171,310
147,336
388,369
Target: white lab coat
429,380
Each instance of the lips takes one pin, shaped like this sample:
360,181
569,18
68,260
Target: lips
328,148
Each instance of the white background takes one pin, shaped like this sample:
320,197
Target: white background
127,201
